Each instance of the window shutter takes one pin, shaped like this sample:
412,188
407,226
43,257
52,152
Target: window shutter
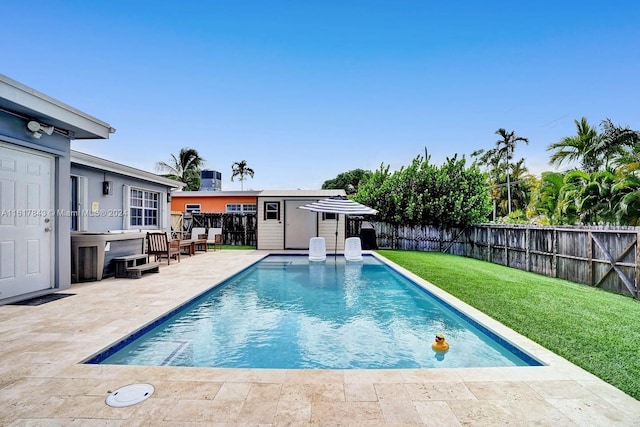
162,211
83,204
126,207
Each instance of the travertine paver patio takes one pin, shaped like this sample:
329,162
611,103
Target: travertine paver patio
42,381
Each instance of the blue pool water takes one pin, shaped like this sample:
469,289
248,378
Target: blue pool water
285,312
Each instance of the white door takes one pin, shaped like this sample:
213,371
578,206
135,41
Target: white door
26,221
301,225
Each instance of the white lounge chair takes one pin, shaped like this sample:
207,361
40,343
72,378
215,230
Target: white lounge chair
214,237
317,249
353,249
196,232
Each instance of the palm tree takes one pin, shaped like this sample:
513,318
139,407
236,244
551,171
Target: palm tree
626,199
185,167
522,185
596,206
620,145
546,198
581,148
242,170
491,160
506,146
571,195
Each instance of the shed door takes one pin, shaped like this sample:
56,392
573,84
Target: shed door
301,225
26,221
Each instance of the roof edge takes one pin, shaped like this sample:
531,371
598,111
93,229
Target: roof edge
38,101
107,165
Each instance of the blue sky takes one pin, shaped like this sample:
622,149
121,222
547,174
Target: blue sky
305,90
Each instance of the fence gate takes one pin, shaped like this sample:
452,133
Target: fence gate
612,257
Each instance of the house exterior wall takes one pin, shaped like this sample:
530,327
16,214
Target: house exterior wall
112,211
50,152
209,203
12,132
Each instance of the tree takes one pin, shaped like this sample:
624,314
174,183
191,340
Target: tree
596,205
491,160
185,167
506,147
546,198
581,148
423,194
626,199
374,193
620,146
242,170
347,181
570,198
520,187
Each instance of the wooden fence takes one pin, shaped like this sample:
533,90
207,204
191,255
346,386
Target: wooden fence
604,257
237,229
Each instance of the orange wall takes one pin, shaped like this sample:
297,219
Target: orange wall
208,203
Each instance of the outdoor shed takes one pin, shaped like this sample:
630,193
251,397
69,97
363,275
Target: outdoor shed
282,225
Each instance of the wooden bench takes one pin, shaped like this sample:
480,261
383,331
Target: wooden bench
132,266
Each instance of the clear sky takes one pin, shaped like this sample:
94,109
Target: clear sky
305,90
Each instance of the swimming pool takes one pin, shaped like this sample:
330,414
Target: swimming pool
285,312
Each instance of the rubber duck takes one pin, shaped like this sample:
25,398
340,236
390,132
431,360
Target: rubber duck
440,344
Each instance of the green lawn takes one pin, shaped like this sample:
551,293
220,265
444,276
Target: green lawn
594,329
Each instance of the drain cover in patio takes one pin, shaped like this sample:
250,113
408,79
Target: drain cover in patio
129,395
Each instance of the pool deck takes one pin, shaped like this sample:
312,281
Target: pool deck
42,381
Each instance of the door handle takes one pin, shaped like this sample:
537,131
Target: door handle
47,229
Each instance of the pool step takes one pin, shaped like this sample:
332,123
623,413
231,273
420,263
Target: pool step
271,265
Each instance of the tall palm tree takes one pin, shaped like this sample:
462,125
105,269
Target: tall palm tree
506,147
491,160
242,170
185,167
522,185
581,148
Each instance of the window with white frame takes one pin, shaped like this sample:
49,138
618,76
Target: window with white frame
192,207
240,208
272,210
233,208
143,208
329,216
